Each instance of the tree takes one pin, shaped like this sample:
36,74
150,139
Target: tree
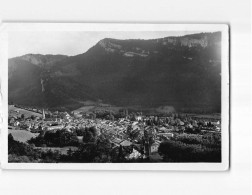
80,131
20,151
59,138
68,138
111,117
94,131
10,138
177,151
87,136
22,116
134,134
90,135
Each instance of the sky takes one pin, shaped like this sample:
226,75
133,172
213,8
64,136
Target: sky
73,42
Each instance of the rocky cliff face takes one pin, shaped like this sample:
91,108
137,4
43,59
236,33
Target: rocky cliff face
194,42
121,46
182,72
186,41
42,60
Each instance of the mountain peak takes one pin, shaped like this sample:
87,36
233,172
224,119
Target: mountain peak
108,45
41,60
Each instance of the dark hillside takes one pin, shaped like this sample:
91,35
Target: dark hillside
183,72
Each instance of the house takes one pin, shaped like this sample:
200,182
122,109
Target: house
134,155
138,135
120,142
66,116
164,130
154,147
77,115
189,126
125,143
16,124
216,123
116,141
135,127
166,134
138,118
69,128
181,123
36,129
52,128
12,121
121,135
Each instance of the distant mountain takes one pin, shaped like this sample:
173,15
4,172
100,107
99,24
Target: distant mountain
41,60
183,72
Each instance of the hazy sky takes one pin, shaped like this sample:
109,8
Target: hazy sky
72,43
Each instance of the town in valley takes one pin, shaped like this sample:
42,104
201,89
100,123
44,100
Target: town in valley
129,136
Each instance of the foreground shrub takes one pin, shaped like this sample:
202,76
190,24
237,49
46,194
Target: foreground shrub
177,151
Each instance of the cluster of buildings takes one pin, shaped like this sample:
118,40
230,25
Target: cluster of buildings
143,133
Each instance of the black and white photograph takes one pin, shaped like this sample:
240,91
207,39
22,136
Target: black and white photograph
125,97
98,96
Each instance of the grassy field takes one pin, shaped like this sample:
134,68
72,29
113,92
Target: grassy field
84,109
22,135
97,107
14,111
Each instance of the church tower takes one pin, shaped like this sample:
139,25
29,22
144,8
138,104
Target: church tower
43,114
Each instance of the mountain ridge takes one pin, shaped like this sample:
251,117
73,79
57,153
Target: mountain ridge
150,73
